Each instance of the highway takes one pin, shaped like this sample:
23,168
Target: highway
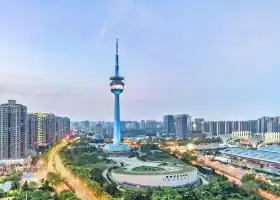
74,184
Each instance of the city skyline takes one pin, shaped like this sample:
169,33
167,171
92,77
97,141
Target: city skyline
218,61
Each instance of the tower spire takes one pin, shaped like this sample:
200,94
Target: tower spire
117,58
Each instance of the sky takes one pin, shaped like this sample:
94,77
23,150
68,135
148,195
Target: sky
214,59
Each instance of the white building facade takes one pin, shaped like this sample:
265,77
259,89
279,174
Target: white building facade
179,179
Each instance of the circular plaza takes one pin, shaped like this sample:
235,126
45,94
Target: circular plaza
141,174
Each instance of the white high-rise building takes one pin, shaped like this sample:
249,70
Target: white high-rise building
13,130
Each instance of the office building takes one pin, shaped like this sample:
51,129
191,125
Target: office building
168,124
13,130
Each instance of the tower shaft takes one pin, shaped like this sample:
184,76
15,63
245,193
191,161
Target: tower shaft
117,124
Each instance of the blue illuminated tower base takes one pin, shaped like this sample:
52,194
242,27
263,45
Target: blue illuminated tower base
117,87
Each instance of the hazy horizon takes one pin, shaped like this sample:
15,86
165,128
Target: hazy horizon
212,59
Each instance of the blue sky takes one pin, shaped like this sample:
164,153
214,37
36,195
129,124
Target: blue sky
214,59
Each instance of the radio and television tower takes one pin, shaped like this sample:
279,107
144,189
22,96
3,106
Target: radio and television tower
117,87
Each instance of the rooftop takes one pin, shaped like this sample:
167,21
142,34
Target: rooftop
116,148
271,148
254,154
131,163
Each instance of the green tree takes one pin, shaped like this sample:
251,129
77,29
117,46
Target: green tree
96,174
250,187
33,185
67,195
54,178
247,177
25,186
34,195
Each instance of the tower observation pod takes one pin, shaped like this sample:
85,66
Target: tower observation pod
117,87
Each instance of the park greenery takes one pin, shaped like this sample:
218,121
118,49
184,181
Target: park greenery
147,169
151,152
253,184
87,163
137,132
218,189
197,139
45,195
54,178
35,191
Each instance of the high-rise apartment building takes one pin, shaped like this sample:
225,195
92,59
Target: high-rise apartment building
41,128
45,128
132,125
228,127
254,126
151,124
272,126
235,126
85,125
142,124
98,128
197,124
262,124
66,124
213,127
221,127
51,129
32,132
59,127
183,125
13,130
168,124
205,127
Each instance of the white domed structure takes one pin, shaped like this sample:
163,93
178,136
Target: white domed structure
98,138
119,149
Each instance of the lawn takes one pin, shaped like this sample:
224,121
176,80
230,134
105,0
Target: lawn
147,169
100,164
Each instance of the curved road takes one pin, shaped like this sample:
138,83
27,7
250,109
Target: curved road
81,190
